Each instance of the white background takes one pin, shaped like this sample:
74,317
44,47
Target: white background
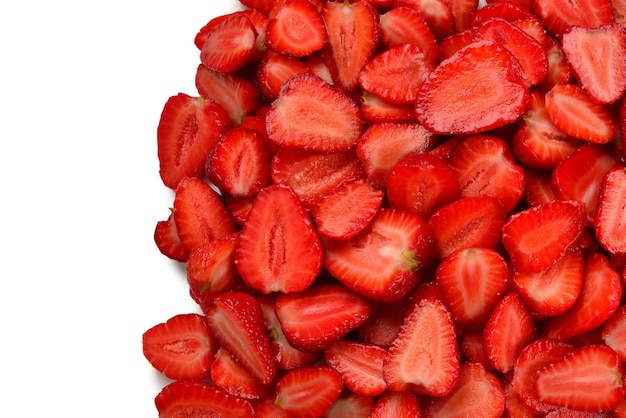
82,86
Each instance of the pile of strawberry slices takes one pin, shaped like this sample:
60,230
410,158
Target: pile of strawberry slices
399,208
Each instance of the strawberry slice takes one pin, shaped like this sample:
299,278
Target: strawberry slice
309,391
451,101
454,43
236,94
536,238
189,398
554,290
353,37
232,378
424,358
188,129
296,29
230,45
462,12
472,281
436,14
559,69
604,80
385,261
505,10
313,115
168,241
538,187
610,222
359,364
396,404
350,405
478,393
240,163
421,184
320,315
199,213
375,109
599,298
347,210
279,249
180,348
275,69
406,25
484,165
614,332
397,73
507,331
236,321
572,111
560,15
587,379
467,222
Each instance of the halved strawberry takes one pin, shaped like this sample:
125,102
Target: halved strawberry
484,165
180,348
279,249
405,25
375,109
507,331
183,398
230,45
347,210
599,298
199,213
275,69
580,176
311,175
572,111
168,241
554,290
472,282
211,269
350,405
188,129
232,378
421,184
384,262
383,145
614,332
610,222
309,391
436,14
296,29
236,94
236,321
467,222
604,79
397,73
393,404
560,15
478,393
239,163
587,379
451,101
536,238
359,364
353,37
313,115
537,355
537,143
320,315
424,358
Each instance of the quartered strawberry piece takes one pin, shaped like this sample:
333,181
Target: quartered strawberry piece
353,37
587,379
536,238
320,315
237,323
279,249
436,14
168,241
359,364
610,222
199,213
472,282
397,73
451,101
560,15
181,348
275,69
424,358
296,29
309,391
467,222
232,378
598,58
478,392
484,165
405,25
188,129
230,45
310,114
385,261
393,404
184,398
